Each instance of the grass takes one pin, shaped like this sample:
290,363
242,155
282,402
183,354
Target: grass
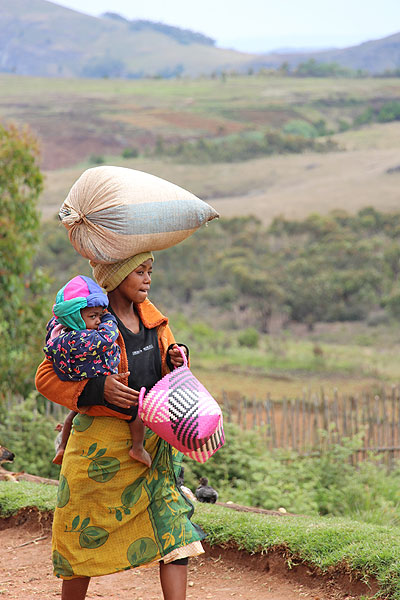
14,496
248,91
326,543
369,550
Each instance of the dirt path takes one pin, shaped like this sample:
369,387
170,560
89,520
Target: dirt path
220,574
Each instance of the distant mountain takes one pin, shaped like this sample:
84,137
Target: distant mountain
38,37
41,38
374,56
182,36
292,50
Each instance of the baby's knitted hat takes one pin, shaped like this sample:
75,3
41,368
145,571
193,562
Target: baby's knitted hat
78,293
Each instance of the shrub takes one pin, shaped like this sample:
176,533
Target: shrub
30,435
244,471
343,125
389,112
377,317
312,68
249,338
240,147
367,116
104,66
96,159
392,303
301,128
130,153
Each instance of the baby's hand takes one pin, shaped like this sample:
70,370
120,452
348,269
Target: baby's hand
176,356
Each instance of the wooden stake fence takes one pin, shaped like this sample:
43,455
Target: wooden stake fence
315,422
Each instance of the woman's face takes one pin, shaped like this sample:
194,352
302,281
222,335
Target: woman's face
136,286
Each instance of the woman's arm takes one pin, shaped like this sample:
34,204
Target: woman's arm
67,393
51,387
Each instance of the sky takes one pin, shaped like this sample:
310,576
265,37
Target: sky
262,25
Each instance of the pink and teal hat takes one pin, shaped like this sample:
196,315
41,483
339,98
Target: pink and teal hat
78,293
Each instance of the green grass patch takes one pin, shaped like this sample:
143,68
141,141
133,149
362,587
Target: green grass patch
324,542
291,356
14,496
370,550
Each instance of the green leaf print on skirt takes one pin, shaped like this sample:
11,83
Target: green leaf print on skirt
90,537
101,469
82,422
129,498
93,537
142,551
132,492
63,493
62,568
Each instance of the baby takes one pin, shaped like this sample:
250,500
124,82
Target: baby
81,343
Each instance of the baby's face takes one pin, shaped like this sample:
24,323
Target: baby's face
92,316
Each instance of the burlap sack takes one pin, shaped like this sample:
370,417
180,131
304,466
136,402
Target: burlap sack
112,213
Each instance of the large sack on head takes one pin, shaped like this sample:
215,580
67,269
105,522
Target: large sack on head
112,213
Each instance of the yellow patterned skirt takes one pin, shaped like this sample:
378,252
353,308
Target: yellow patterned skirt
114,513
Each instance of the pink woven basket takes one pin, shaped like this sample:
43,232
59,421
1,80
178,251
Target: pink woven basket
183,413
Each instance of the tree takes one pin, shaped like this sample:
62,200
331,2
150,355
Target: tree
260,293
392,261
21,289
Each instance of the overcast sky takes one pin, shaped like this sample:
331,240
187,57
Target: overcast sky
260,25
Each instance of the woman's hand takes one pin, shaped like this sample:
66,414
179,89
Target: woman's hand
176,356
119,394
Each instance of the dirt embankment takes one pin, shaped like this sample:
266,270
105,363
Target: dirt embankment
221,573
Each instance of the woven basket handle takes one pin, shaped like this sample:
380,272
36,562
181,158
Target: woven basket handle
185,362
142,394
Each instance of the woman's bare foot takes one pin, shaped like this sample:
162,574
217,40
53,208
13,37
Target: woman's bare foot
57,460
139,453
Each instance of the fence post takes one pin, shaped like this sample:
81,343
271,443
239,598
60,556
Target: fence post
255,413
392,425
271,405
335,411
283,424
297,422
378,422
268,421
227,406
316,422
239,412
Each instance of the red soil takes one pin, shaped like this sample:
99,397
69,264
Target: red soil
221,573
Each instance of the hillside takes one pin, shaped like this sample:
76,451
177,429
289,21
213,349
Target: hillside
41,38
79,120
373,56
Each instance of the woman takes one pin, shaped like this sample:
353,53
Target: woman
114,513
